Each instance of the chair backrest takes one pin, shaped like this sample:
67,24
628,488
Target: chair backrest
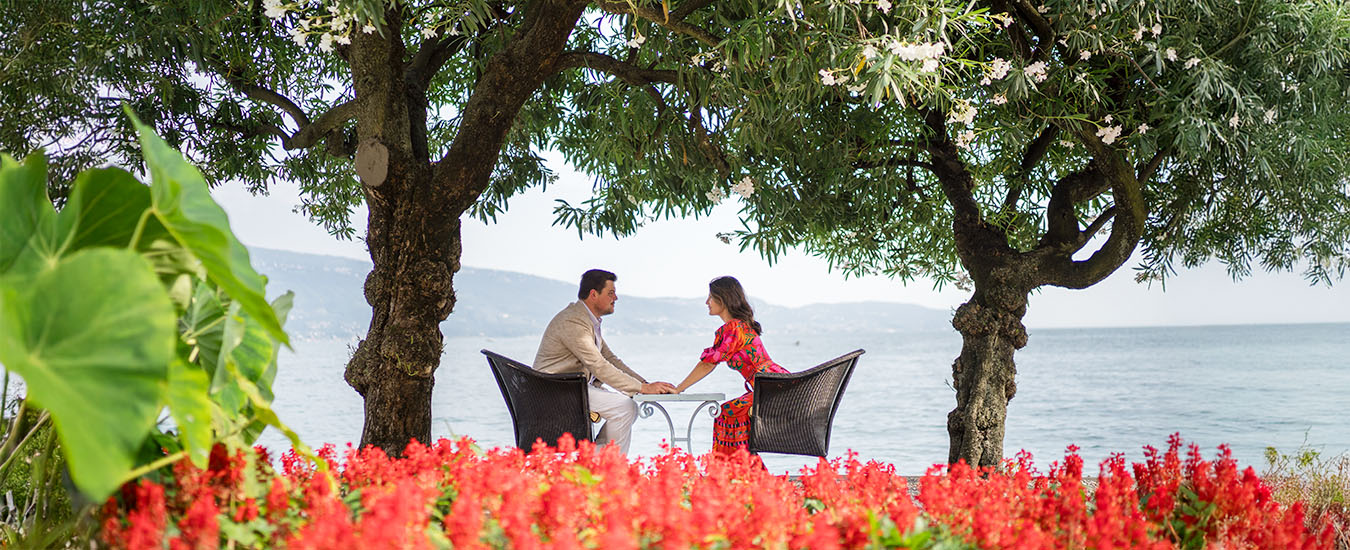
543,406
792,412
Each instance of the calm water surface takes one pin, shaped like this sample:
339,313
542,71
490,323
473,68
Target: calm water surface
1104,390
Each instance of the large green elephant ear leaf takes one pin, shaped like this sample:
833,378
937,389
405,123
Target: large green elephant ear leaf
182,203
92,338
107,207
24,207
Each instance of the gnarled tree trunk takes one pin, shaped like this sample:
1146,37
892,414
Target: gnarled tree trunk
984,375
413,232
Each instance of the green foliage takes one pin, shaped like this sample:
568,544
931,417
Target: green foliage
130,299
1321,482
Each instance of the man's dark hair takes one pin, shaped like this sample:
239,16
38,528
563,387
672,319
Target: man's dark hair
594,280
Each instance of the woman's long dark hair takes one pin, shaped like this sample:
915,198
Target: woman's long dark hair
728,291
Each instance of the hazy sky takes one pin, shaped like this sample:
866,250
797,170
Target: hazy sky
679,257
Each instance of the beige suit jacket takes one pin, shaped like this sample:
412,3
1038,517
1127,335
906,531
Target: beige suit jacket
569,346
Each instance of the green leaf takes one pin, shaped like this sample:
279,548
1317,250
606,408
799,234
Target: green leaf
92,338
190,404
24,206
182,202
105,208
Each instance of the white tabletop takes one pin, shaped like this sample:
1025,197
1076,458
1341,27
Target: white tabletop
700,397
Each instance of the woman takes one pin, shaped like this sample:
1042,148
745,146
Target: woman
737,343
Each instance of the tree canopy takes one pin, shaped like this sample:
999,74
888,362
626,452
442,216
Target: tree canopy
1018,144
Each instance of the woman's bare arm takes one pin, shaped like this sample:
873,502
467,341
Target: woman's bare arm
700,371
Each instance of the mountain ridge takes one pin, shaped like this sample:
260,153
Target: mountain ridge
329,303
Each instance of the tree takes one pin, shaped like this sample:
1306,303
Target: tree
1011,146
439,106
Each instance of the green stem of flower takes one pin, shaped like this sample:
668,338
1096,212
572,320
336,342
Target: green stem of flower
165,461
140,228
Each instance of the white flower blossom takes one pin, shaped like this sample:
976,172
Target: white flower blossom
1269,116
1109,119
1139,34
1042,9
869,51
326,43
1144,128
999,68
343,39
716,195
273,9
999,99
858,88
1191,63
985,81
1036,71
827,78
429,32
368,29
637,41
963,113
1066,143
1109,134
1157,29
929,65
1235,121
1003,19
298,36
884,6
1085,55
744,188
1171,54
964,138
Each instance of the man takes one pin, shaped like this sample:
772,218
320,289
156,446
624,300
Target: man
572,343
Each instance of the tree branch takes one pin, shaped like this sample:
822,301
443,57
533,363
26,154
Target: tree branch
658,17
1145,171
1033,155
891,162
1092,228
628,73
310,134
1044,32
685,9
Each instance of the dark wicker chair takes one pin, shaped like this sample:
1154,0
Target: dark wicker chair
543,406
792,412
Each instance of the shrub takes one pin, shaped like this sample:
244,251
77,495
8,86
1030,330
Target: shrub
1320,483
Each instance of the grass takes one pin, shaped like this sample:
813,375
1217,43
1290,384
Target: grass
1321,482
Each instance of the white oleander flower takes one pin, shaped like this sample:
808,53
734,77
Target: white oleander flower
1191,63
273,9
429,32
964,138
298,36
1109,119
929,65
1269,116
963,113
368,29
869,51
999,68
1109,134
716,195
884,6
343,39
326,43
745,187
1144,128
1235,121
999,99
1085,55
1171,54
827,78
1036,71
637,41
1157,29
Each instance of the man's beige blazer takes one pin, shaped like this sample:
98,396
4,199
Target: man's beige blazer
569,346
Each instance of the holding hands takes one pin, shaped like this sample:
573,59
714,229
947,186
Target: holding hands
659,387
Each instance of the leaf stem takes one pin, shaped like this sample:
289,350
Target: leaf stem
140,228
15,451
138,472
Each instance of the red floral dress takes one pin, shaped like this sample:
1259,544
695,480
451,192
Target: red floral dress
738,345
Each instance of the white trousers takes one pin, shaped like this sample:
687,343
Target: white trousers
619,412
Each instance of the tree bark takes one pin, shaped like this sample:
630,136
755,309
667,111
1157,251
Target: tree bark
413,229
984,375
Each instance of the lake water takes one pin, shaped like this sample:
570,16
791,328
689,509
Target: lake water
1104,390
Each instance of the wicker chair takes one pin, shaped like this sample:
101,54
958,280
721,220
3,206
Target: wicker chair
792,412
543,406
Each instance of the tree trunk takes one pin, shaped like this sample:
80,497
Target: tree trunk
984,374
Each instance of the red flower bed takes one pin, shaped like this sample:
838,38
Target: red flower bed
579,496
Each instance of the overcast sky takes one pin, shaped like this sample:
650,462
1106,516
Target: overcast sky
678,257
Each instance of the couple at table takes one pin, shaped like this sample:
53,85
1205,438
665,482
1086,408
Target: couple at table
573,343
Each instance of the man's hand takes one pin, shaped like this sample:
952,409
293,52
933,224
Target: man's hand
658,387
